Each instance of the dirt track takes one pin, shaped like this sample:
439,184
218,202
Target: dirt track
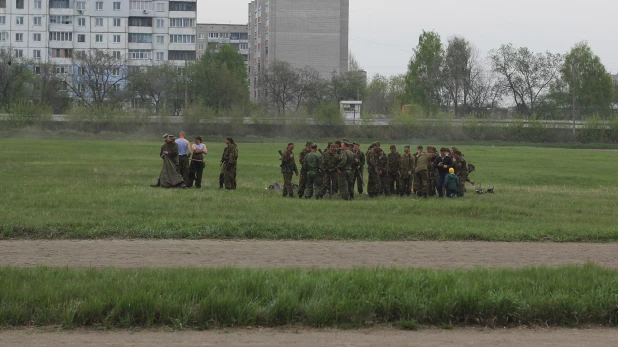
373,337
296,254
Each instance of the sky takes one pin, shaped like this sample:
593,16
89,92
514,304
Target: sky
383,33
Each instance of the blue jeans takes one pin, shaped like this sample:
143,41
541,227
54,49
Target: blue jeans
441,182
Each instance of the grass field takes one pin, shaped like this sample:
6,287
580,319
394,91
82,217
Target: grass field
203,298
98,189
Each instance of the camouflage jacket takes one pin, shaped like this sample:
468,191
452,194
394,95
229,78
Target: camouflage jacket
288,163
382,164
330,161
407,163
393,163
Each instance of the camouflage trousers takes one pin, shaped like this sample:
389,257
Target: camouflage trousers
385,182
329,180
287,184
346,184
461,189
229,176
314,183
374,185
422,180
432,177
302,182
393,183
405,185
358,180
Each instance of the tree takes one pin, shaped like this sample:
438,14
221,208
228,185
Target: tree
423,84
305,89
15,77
99,78
351,85
353,64
279,81
457,71
158,86
51,88
592,87
524,75
377,100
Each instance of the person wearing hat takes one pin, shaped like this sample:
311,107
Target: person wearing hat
392,177
421,175
228,164
169,176
460,167
302,180
442,163
359,166
432,173
330,177
346,177
374,185
198,163
406,171
313,164
415,183
451,182
288,167
382,168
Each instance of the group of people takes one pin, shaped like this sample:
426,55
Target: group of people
341,167
184,163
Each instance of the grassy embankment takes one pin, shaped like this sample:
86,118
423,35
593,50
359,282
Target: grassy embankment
203,298
96,189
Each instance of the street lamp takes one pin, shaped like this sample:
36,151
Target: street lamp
10,91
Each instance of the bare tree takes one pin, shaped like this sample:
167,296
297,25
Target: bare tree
307,82
99,77
280,83
457,71
524,75
157,86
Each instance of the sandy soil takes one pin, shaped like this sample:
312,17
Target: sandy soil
296,254
268,337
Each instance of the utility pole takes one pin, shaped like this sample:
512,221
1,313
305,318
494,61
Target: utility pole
574,87
186,87
10,91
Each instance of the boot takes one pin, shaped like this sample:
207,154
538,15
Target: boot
221,181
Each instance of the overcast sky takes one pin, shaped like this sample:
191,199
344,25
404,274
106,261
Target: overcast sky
383,33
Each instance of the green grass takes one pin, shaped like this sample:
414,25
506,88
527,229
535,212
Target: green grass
97,189
203,298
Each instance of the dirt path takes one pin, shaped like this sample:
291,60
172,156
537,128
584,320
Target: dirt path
373,337
297,254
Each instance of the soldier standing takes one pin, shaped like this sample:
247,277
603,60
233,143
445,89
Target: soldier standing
198,163
288,167
184,153
415,184
432,172
382,169
393,170
346,177
373,182
302,181
461,170
359,163
229,162
313,162
423,165
406,170
330,159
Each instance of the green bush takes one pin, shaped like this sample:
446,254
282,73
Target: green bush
328,114
24,113
595,130
474,129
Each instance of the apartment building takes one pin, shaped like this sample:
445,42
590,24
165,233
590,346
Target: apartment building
303,33
212,36
145,32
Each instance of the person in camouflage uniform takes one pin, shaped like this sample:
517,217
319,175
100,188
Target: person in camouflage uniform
359,167
432,173
313,164
461,170
415,184
393,170
406,171
288,167
302,181
382,169
423,165
374,186
229,161
346,176
330,159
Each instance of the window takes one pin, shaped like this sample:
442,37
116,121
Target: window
139,54
37,3
116,22
19,20
115,71
160,7
181,55
160,56
81,38
140,38
201,36
61,53
98,38
116,6
36,54
116,38
37,70
182,6
60,20
81,22
2,20
81,87
200,46
98,22
243,46
182,38
81,5
182,22
141,5
19,53
19,37
60,36
2,3
3,36
99,5
37,21
36,37
116,54
140,22
59,4
160,39
160,23
19,4
213,35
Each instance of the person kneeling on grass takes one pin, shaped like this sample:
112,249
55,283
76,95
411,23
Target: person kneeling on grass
451,183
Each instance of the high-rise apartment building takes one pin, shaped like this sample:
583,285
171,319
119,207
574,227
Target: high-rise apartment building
145,32
304,33
212,36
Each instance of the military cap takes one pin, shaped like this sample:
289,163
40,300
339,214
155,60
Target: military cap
314,145
290,144
345,139
378,143
393,147
419,147
378,150
338,142
309,143
457,152
406,146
